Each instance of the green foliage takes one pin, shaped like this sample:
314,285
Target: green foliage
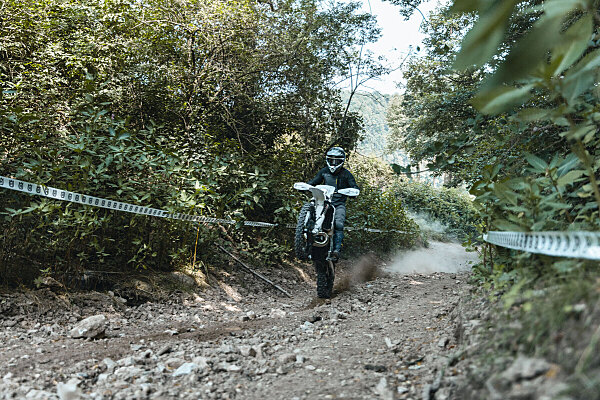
452,207
432,121
515,118
506,100
371,171
203,107
372,107
555,188
380,209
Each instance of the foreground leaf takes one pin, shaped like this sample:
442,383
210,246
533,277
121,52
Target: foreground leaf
501,98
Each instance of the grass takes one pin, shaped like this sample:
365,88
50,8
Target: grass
555,318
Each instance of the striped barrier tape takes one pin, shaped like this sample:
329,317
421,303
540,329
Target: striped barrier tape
559,244
73,197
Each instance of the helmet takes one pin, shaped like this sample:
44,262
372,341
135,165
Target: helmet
335,158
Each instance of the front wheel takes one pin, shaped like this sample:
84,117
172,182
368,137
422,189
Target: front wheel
301,242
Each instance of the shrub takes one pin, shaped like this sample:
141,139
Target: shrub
378,209
451,207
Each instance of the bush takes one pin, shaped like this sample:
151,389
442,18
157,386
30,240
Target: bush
449,206
378,209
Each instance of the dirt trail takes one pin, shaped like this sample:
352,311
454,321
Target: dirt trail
383,338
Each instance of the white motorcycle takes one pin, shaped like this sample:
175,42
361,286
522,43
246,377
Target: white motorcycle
314,232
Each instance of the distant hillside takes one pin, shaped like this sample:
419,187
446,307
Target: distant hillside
373,107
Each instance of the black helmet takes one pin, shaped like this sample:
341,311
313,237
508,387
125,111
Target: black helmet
335,158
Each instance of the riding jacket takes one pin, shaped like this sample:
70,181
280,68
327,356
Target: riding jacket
341,179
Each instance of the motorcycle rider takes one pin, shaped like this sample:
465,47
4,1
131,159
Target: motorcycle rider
334,174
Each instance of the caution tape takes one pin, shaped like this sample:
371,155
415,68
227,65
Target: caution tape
73,197
559,244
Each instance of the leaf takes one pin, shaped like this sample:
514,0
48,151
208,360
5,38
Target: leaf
529,52
504,192
537,163
574,43
579,131
400,169
513,294
581,77
533,114
558,8
501,98
507,226
570,162
465,6
482,41
557,205
569,178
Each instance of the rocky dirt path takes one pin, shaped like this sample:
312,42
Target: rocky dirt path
387,337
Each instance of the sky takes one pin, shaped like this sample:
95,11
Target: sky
397,38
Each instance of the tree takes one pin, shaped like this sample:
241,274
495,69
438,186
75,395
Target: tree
194,106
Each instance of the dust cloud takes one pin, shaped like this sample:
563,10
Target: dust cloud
438,257
363,270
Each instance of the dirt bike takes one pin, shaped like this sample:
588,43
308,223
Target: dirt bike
313,238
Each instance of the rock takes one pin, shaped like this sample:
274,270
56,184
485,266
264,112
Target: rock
314,318
92,327
52,284
307,327
376,368
126,361
525,368
186,369
164,350
388,343
226,367
262,370
579,308
36,394
383,390
251,314
287,358
443,342
234,368
128,373
247,351
282,370
174,362
202,362
109,364
183,279
69,390
523,379
277,313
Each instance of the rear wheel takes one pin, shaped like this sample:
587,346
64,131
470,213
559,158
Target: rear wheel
323,280
325,273
301,245
330,276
